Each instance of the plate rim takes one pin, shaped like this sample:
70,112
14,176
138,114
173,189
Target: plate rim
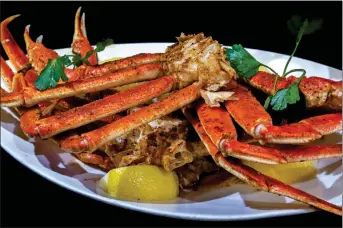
153,211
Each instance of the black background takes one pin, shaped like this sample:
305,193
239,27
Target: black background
27,199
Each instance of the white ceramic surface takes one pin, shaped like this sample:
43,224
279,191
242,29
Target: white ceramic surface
238,202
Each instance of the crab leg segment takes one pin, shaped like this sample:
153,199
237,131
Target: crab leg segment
85,71
305,131
318,92
80,43
39,55
247,111
269,155
12,49
268,184
224,136
255,178
90,141
31,96
6,73
14,82
217,121
258,123
99,109
95,159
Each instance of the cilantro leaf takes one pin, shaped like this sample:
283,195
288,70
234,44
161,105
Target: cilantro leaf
54,70
78,60
305,28
242,61
100,46
65,60
284,97
302,31
52,73
313,26
279,100
294,24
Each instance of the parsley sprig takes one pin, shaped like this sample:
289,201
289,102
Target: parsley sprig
247,66
54,70
243,62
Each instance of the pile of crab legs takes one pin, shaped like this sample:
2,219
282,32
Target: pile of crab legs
213,124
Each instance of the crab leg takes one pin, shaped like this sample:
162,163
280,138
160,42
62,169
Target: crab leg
12,49
80,43
268,184
98,109
220,128
90,141
6,73
15,55
38,54
14,82
30,96
253,177
259,124
95,159
318,92
305,131
84,71
269,155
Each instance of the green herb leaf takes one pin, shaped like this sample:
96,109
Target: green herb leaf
77,60
54,70
284,97
52,73
100,46
307,27
302,30
242,61
294,24
313,26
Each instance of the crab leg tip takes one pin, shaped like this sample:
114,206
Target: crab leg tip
9,19
83,25
27,37
12,49
27,28
77,29
39,39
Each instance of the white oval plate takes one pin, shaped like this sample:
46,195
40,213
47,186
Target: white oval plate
238,202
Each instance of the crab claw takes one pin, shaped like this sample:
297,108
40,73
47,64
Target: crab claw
38,54
80,43
11,47
6,73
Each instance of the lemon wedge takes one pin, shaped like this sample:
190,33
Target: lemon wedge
290,173
263,68
140,183
110,59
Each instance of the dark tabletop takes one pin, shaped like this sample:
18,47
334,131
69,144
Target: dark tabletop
29,200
